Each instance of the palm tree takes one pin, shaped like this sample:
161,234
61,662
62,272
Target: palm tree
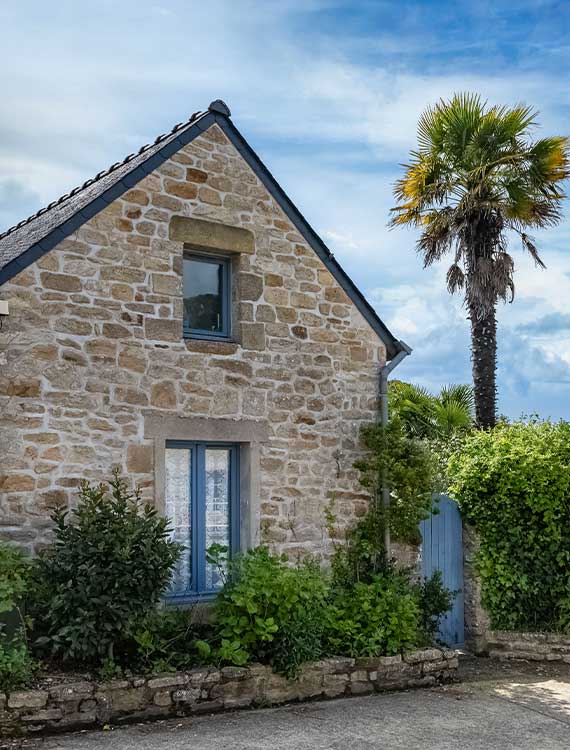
427,416
454,409
476,176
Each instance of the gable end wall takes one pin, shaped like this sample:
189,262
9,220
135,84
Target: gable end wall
94,358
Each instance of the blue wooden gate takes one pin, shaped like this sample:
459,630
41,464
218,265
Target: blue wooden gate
442,549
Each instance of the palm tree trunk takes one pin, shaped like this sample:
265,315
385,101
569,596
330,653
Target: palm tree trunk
484,364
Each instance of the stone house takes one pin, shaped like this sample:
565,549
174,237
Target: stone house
178,317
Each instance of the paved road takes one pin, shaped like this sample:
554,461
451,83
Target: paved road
495,709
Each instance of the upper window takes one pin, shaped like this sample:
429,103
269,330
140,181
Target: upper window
202,503
207,296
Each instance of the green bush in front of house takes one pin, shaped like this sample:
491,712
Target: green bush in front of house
270,611
16,664
513,484
94,595
168,640
286,614
378,618
109,563
377,607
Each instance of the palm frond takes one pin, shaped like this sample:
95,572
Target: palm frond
437,238
455,406
455,279
549,159
502,278
461,393
451,417
516,120
500,130
461,117
430,130
426,416
530,247
414,405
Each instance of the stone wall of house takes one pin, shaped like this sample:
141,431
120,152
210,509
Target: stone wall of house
93,347
407,555
78,705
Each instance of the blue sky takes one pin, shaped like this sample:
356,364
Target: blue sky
328,93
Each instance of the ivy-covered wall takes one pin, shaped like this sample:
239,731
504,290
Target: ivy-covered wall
513,486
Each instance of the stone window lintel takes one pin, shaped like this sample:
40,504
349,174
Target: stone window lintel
209,236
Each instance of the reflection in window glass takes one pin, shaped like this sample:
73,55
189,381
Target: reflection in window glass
217,507
204,295
178,503
202,505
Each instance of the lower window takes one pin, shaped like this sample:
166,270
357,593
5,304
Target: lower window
202,503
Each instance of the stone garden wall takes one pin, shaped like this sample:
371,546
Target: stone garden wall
503,644
476,618
61,706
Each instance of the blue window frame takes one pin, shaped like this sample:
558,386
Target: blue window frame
207,296
202,503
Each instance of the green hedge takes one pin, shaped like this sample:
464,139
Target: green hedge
513,484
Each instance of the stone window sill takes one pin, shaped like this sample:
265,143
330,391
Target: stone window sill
210,345
190,600
187,336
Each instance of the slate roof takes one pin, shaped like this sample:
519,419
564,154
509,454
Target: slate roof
17,239
31,238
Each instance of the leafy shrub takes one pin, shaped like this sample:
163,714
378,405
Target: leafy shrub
167,640
16,665
298,641
14,577
434,600
405,464
564,614
271,612
361,559
361,556
372,619
441,450
106,569
513,484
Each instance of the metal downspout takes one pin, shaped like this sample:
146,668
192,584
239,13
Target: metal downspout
385,371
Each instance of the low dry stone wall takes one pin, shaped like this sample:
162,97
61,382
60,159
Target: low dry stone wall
503,644
77,705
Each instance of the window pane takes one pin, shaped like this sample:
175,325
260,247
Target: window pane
203,295
178,502
217,507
